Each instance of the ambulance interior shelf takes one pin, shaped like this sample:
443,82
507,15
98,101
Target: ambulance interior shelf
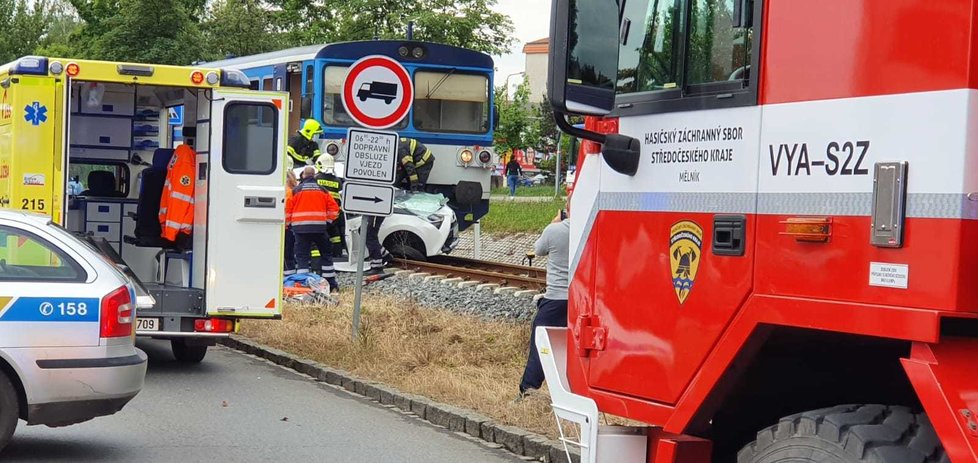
113,127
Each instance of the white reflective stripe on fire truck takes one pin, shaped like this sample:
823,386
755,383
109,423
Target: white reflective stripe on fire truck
814,158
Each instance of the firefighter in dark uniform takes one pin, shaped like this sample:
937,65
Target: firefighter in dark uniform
413,168
301,148
326,177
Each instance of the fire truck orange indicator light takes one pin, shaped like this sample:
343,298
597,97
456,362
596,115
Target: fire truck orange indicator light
197,77
808,229
72,69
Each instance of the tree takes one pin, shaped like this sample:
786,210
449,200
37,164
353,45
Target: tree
464,23
140,33
301,22
544,132
514,129
23,26
239,28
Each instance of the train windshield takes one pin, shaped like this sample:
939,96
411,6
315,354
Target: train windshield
451,102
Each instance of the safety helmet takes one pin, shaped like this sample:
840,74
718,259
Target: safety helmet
325,163
309,128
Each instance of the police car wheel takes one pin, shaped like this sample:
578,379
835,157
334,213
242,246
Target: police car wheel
9,410
187,353
848,434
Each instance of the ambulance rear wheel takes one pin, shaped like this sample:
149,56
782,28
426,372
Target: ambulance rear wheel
848,434
9,410
187,353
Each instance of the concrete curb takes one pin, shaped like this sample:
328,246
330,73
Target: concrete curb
455,419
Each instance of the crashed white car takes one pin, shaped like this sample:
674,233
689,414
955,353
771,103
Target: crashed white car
420,227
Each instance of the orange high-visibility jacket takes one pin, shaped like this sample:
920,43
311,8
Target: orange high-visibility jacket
177,202
311,208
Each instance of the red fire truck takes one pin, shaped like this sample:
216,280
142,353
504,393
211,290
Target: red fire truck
763,179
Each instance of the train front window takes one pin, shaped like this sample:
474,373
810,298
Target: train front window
333,111
451,102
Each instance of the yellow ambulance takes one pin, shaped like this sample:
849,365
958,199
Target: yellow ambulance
90,142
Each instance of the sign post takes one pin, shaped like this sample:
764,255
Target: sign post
377,94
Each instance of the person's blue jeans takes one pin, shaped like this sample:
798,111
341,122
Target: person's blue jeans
512,180
550,312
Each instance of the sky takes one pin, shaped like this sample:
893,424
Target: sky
531,20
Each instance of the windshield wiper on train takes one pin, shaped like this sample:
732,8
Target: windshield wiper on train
439,83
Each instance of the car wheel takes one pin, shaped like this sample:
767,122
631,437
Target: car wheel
187,353
388,101
9,410
404,245
848,434
363,98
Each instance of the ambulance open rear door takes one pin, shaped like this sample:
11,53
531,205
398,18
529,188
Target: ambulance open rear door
244,200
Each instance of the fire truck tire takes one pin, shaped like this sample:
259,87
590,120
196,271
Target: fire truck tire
187,353
848,434
9,410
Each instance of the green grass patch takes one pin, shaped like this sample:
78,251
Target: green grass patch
537,190
519,217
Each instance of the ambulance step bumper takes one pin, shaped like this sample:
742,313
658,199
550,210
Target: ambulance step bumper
181,334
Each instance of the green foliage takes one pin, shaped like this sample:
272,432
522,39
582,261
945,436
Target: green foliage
23,27
228,21
465,23
544,132
183,31
515,129
520,216
540,191
139,33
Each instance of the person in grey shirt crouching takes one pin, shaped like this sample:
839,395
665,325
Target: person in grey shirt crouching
554,243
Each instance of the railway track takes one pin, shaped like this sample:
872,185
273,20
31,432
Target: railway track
519,276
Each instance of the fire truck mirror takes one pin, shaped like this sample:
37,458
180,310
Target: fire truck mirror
889,204
583,56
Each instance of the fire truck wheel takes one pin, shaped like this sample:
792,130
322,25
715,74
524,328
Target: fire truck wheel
187,353
848,434
9,410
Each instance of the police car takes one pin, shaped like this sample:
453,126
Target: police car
67,350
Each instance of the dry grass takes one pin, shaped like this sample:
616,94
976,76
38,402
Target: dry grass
455,359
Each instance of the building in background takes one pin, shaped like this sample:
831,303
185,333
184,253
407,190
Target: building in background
536,67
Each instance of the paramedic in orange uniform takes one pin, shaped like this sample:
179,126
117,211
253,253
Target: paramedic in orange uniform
177,202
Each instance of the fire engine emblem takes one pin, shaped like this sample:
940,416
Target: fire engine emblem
185,180
685,248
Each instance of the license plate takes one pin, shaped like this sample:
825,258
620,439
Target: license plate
147,324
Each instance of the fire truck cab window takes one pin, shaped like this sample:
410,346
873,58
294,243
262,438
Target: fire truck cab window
678,55
650,56
718,52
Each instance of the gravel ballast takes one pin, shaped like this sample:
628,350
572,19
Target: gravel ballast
438,294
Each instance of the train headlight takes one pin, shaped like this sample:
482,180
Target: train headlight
403,51
485,157
332,149
465,156
417,52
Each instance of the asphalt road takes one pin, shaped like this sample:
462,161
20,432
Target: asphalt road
233,407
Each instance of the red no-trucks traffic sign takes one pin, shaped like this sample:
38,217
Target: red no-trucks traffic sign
377,92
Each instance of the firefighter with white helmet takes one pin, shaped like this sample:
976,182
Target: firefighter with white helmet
326,177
